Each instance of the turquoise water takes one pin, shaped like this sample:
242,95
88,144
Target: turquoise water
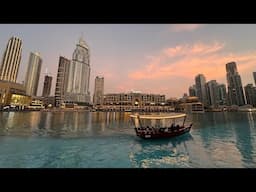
107,140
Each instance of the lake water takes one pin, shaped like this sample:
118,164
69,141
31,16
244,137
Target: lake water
108,140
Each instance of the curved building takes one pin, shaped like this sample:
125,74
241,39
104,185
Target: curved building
11,60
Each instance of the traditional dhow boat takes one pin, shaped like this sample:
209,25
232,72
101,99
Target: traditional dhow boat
160,126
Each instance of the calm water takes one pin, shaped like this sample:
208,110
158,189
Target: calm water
107,140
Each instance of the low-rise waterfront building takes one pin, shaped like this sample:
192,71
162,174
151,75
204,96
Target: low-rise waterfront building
190,105
13,94
133,101
250,93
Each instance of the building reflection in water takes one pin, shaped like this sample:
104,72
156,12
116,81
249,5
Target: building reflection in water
67,123
45,120
99,120
215,127
6,122
79,123
228,133
10,120
172,152
244,123
251,120
35,118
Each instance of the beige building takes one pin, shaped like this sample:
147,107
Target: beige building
13,94
33,73
98,91
134,99
11,60
190,105
79,76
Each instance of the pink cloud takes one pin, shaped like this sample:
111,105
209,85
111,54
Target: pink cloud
208,59
196,49
185,27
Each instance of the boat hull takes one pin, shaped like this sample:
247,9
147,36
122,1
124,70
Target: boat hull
153,134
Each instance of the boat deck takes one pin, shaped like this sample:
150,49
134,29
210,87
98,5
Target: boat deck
147,133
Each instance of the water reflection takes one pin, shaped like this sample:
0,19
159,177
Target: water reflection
227,133
172,152
243,126
64,123
223,139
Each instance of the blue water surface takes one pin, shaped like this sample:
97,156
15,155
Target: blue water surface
107,140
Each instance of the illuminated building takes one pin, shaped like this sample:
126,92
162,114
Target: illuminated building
13,94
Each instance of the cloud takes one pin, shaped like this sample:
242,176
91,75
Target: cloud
196,49
186,61
185,27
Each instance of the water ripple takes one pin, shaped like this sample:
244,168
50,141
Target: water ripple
70,139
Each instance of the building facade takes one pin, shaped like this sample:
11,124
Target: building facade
212,93
79,75
192,91
33,74
11,60
201,89
235,88
98,95
62,80
13,94
254,77
47,86
134,99
222,94
250,93
189,105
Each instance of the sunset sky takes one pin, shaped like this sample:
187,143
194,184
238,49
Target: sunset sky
152,58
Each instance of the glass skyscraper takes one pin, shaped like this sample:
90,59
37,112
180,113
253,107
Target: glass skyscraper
62,80
47,86
235,88
201,88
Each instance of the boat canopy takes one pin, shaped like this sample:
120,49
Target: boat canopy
163,116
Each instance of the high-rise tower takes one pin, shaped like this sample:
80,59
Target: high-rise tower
200,88
98,91
235,89
79,75
33,73
47,86
254,77
11,60
62,80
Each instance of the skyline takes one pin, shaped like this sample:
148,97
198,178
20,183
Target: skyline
150,58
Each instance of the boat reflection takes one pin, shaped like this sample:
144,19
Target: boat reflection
172,152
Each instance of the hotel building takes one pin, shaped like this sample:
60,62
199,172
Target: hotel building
79,76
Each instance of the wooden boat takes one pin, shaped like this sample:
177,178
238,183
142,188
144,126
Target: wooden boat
160,126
